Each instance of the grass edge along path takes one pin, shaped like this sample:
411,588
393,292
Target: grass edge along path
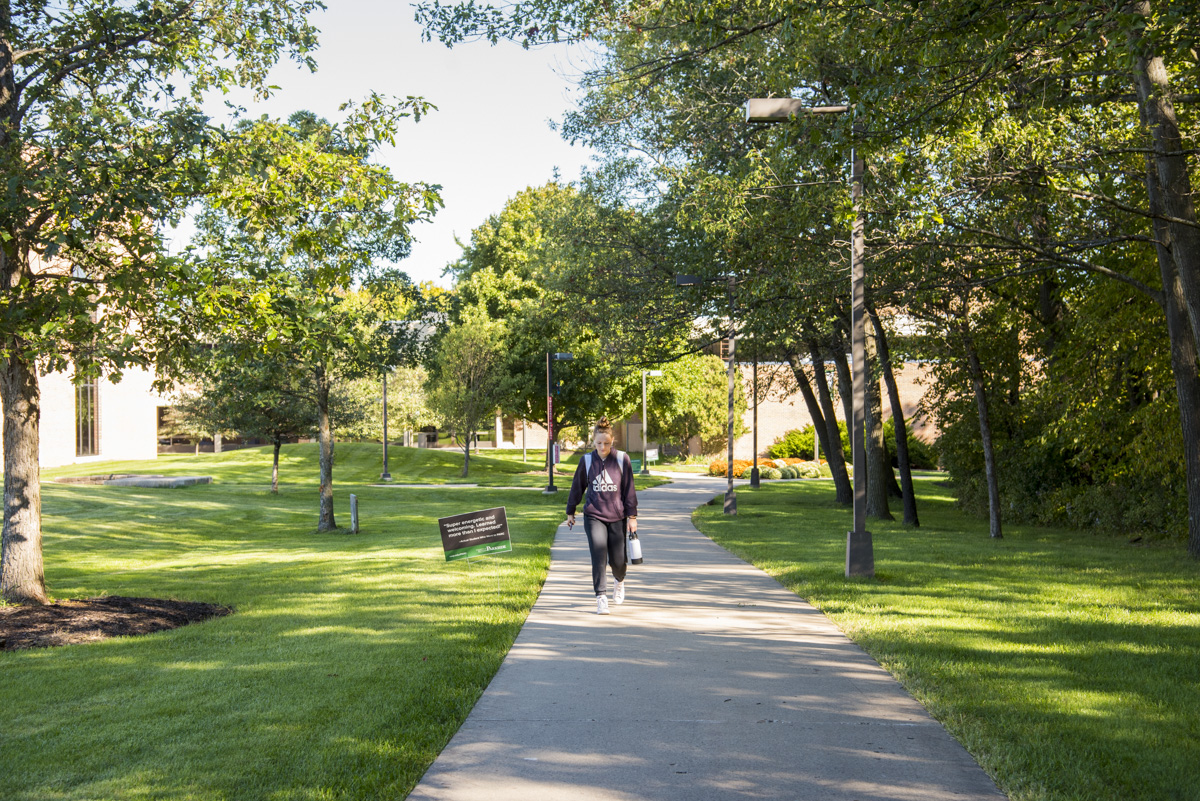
349,663
1067,663
355,463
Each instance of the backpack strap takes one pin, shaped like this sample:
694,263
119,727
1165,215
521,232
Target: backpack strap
587,462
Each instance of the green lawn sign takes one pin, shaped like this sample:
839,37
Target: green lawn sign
475,534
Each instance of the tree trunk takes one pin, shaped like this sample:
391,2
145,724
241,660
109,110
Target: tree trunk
22,576
1171,165
985,435
843,492
844,379
1184,357
325,439
843,489
889,378
466,459
278,442
1187,389
879,468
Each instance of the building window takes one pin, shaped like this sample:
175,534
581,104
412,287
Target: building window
86,441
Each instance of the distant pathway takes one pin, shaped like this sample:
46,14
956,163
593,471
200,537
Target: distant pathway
711,682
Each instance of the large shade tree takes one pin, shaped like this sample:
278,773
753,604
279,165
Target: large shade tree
512,271
102,141
301,217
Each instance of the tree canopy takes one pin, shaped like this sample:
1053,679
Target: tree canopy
1028,207
102,144
304,232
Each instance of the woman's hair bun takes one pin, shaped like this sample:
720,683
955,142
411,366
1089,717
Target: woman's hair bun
603,426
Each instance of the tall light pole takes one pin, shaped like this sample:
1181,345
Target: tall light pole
394,325
754,482
551,358
691,280
646,420
386,476
860,555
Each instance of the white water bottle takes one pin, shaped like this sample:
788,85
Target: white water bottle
635,549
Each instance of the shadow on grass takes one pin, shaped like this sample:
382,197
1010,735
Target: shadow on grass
349,661
1067,662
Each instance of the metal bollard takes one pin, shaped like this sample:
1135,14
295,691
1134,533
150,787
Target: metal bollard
353,514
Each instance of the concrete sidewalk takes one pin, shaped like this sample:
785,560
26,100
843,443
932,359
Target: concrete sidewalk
710,682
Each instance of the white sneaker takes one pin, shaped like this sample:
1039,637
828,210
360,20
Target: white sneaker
601,604
619,593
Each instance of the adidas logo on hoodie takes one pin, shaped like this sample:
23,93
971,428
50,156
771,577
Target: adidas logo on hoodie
602,483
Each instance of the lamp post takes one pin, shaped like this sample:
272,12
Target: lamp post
394,325
551,358
754,482
691,280
860,557
646,420
386,476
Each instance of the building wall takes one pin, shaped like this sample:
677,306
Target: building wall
779,415
783,411
127,419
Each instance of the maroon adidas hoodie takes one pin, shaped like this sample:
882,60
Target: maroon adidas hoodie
607,489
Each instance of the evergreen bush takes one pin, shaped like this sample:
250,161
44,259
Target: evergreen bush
797,444
920,455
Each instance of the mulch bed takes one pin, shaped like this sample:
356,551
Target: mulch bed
92,619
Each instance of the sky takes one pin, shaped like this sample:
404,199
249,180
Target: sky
489,139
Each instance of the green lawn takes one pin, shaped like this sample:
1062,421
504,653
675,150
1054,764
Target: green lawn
1068,663
354,464
350,660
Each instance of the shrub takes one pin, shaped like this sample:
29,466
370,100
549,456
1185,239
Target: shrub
779,463
920,455
797,444
787,472
770,473
740,466
808,470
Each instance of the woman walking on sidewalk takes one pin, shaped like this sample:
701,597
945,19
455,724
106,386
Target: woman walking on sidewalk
604,481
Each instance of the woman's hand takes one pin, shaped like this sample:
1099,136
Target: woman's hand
633,525
570,521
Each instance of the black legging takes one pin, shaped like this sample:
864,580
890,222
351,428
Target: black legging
606,541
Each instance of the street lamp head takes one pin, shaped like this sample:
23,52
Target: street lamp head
782,109
686,280
654,373
563,357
